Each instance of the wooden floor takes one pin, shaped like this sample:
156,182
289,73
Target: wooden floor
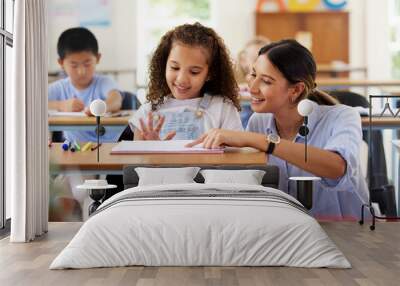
374,255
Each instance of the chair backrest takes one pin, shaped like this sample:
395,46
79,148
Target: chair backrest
378,171
350,98
129,101
270,179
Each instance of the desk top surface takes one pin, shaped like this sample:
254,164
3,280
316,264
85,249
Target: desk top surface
338,69
89,120
356,82
88,160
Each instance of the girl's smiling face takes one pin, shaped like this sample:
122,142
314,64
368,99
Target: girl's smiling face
186,70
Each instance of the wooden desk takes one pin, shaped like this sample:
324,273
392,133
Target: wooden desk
381,123
346,82
86,162
66,123
343,83
336,71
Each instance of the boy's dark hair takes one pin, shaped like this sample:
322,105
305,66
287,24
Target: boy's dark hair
221,76
76,40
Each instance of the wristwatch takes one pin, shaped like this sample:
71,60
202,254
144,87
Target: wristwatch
272,140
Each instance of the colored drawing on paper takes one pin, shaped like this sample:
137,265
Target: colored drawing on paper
95,13
62,9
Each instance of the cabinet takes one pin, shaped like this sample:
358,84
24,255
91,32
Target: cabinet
329,31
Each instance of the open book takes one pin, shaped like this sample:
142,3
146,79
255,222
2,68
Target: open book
157,147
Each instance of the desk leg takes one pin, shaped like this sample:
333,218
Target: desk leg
96,195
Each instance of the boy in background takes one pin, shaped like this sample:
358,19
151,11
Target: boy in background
78,56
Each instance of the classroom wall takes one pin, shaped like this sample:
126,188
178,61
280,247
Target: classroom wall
235,23
116,42
377,39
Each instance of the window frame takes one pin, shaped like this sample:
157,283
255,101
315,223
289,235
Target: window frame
6,39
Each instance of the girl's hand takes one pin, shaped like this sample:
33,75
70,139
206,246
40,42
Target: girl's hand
149,132
216,138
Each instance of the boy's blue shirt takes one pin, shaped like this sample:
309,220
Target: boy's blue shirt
98,89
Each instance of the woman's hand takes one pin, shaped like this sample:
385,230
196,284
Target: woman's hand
216,138
149,132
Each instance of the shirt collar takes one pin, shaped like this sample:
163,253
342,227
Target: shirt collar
313,118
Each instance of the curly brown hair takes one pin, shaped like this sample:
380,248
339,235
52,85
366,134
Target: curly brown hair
221,76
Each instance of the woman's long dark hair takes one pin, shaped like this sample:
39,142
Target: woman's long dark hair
297,64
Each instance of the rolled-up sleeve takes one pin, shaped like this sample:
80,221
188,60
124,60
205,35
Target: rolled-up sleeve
55,91
106,85
345,139
141,113
231,118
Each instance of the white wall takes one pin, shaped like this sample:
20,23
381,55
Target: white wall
377,39
369,37
234,21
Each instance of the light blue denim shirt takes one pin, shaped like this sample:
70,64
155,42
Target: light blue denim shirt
99,88
335,128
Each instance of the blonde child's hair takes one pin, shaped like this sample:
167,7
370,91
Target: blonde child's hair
241,71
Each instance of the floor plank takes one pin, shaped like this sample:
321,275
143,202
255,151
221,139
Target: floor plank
374,255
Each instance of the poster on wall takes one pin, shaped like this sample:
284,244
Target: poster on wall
95,13
87,13
300,5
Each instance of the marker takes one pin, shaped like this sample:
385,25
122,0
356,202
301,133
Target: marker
75,146
86,147
65,146
95,147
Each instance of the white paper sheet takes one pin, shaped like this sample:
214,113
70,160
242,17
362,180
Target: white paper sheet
55,113
170,146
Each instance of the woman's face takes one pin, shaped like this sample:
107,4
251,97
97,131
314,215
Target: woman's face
270,91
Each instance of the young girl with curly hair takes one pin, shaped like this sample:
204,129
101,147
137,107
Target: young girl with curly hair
192,87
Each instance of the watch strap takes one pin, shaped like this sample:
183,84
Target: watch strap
271,147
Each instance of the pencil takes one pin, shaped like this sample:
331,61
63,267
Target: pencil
95,147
